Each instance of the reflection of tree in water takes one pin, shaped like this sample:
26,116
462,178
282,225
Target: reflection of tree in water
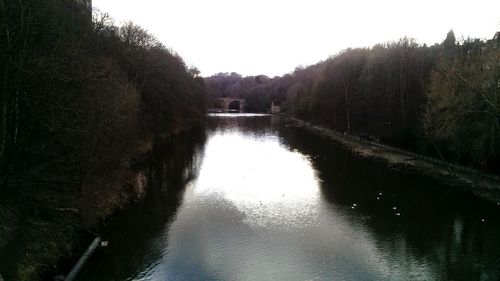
439,229
257,125
177,160
439,235
174,163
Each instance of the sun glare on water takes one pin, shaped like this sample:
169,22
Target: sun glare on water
262,192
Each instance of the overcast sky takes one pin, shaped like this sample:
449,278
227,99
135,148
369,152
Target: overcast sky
272,37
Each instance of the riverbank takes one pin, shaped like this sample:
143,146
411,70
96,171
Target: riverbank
472,183
44,230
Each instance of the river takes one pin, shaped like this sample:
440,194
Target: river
254,198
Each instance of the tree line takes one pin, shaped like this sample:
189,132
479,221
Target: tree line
442,100
78,89
78,93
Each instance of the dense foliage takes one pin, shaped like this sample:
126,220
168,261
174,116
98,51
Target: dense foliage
463,110
442,100
81,91
78,94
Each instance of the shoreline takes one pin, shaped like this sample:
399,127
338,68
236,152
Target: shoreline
474,184
69,228
127,186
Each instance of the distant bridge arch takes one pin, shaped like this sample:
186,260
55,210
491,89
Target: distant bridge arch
232,104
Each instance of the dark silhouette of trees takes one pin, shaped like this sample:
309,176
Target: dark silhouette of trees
450,40
463,114
440,100
252,88
73,87
78,94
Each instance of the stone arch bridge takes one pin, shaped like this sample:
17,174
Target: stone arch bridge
231,104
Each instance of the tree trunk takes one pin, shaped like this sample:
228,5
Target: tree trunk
347,109
402,95
4,101
3,119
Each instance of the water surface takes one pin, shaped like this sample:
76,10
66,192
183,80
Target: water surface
254,198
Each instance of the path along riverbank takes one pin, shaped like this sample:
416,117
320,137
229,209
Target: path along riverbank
463,179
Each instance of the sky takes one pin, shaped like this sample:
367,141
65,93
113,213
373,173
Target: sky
273,37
